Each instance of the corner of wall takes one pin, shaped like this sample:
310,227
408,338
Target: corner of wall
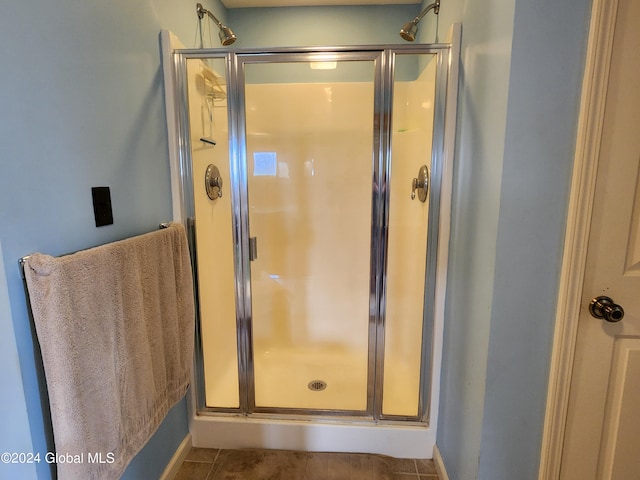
482,111
439,462
15,435
171,470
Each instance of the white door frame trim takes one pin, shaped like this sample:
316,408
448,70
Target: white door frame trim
590,122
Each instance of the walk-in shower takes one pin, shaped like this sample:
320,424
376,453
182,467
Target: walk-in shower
312,181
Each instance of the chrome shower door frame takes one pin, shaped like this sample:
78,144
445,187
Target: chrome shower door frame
383,58
237,78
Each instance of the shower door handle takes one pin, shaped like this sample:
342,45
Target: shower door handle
253,248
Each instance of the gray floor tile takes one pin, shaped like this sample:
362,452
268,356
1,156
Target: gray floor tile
207,455
259,464
369,467
400,465
254,464
426,466
194,471
326,465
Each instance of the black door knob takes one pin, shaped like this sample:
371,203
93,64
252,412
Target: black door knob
605,307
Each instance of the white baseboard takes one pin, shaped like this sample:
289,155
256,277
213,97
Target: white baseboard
176,461
437,459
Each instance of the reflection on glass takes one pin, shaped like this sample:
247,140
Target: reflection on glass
310,140
265,163
209,143
414,90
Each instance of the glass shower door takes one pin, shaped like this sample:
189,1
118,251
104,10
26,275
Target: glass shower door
310,161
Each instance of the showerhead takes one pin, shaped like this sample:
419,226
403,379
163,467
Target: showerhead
227,37
409,29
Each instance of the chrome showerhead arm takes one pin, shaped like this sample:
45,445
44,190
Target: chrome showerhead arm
201,11
436,9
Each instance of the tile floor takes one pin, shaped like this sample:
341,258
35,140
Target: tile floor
213,464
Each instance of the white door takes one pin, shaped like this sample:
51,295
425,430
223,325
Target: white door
603,426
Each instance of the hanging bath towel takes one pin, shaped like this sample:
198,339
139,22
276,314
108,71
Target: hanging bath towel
115,325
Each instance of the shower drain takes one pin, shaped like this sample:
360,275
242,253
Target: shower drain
317,385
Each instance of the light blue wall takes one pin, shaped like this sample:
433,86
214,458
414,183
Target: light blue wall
484,87
521,74
546,75
312,26
13,436
82,106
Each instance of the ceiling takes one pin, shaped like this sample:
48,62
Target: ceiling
308,3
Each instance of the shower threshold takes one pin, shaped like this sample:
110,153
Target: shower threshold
396,439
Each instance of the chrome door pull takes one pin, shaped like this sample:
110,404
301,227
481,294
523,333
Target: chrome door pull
253,248
421,184
604,307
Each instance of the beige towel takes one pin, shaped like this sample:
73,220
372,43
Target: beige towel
115,325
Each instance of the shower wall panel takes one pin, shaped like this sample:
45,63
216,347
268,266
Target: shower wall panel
411,141
214,232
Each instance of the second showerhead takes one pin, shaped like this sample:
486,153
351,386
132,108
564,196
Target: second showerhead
226,35
410,29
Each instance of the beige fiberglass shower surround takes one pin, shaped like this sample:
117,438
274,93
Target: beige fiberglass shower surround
311,180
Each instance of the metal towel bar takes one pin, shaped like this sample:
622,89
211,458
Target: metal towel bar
22,261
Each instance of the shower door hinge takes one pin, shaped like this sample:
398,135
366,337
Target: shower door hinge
253,248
